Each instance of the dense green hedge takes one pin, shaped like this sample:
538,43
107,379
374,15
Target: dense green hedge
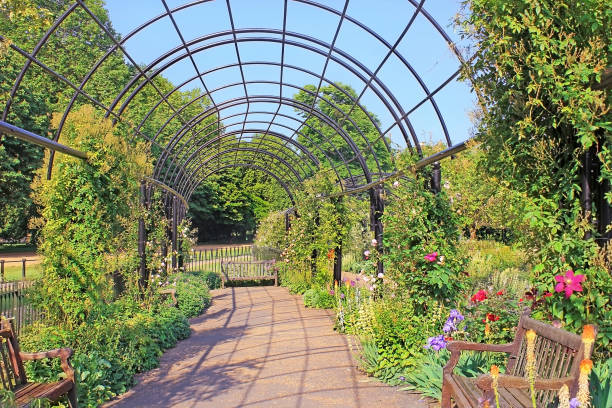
192,292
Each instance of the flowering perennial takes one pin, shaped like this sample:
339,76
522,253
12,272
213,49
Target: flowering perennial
479,296
431,257
569,283
436,343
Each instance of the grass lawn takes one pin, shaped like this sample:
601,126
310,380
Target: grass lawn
12,271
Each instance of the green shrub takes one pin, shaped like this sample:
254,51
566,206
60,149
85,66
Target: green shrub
319,298
213,280
108,351
192,293
601,383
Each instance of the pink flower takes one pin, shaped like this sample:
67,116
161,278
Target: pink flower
374,242
569,283
431,257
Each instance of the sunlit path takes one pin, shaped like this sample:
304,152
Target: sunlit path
259,347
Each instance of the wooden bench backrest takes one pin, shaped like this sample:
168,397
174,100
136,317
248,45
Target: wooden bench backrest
558,354
12,373
255,269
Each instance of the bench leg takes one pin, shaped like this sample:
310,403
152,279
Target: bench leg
445,401
72,398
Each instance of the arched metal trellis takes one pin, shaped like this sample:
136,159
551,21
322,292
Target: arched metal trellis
235,123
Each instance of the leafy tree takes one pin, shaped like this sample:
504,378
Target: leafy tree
71,51
362,123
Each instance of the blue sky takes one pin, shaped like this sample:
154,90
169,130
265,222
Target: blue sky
423,47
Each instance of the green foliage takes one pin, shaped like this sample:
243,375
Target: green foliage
89,215
426,375
108,350
229,205
38,96
319,298
271,231
600,384
213,280
192,292
534,69
419,222
320,226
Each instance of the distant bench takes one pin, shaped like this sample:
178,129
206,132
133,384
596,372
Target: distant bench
244,271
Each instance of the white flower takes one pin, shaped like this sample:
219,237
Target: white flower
381,275
371,288
366,279
366,253
396,183
374,242
446,185
159,283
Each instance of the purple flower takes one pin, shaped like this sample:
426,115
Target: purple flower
331,292
353,282
342,296
436,343
402,378
574,403
449,326
455,315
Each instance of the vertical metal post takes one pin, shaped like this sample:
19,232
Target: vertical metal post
377,208
585,178
142,239
23,268
174,233
2,269
287,221
436,178
338,264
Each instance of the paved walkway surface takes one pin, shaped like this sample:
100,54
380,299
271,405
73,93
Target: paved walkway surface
260,347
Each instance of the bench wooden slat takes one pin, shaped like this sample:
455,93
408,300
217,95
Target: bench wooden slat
248,270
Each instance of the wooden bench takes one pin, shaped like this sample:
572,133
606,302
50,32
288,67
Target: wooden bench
12,373
243,271
170,293
558,355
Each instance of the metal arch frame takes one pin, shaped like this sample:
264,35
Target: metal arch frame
307,47
234,32
225,42
239,83
331,124
219,138
251,166
293,141
279,168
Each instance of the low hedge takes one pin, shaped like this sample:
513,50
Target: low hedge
192,292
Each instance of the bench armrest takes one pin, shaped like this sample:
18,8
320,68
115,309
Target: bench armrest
456,347
484,382
63,354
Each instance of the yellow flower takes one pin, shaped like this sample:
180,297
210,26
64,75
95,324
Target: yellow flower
564,397
531,366
588,338
494,383
487,329
586,366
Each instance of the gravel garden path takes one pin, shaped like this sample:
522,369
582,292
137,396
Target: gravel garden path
260,347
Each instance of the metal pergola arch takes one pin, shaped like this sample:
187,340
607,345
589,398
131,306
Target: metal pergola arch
191,153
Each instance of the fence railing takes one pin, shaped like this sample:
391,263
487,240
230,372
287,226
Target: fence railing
14,304
210,259
22,264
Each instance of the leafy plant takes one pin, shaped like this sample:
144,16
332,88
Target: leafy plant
319,298
600,384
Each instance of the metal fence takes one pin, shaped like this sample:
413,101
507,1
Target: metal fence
14,304
210,259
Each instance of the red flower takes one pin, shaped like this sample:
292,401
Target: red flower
501,292
569,283
479,296
492,317
521,299
547,294
330,254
